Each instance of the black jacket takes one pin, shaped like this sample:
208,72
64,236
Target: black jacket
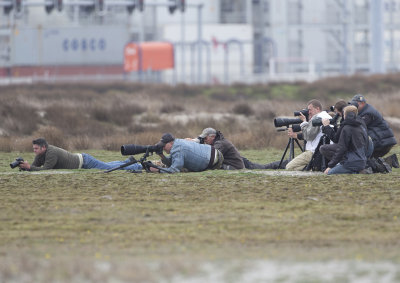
353,142
231,154
333,133
378,128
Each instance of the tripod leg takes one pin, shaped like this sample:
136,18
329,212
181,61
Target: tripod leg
284,154
301,148
291,155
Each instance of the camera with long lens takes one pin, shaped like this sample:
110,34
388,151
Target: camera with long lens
305,112
295,128
318,120
132,149
17,162
286,122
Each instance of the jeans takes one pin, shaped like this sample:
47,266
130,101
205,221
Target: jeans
340,169
89,162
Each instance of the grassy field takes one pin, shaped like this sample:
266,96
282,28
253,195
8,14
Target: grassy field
229,226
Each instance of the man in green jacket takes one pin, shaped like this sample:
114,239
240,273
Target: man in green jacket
51,157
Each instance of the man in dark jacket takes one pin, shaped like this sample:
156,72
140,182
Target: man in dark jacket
378,129
333,133
350,156
232,158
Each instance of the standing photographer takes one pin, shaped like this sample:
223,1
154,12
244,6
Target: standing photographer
51,157
188,155
311,134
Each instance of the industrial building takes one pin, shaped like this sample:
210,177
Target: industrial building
213,41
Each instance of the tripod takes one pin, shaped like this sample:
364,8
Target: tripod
145,164
290,146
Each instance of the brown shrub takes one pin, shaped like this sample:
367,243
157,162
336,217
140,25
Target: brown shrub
23,144
118,114
81,143
18,117
6,144
74,122
243,108
171,108
53,136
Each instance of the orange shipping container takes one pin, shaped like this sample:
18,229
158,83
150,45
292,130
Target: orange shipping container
144,56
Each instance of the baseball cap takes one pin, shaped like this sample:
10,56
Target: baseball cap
166,138
359,98
208,131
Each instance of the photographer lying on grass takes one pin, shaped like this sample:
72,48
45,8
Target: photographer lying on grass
187,155
232,158
51,157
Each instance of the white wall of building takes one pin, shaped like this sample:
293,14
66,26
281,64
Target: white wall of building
216,35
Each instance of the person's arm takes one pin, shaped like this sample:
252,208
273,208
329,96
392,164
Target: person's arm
344,142
309,131
166,160
177,160
330,133
49,162
368,119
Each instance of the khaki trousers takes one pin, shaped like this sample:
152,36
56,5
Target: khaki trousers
299,162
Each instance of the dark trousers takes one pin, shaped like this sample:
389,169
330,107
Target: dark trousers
379,152
273,165
328,150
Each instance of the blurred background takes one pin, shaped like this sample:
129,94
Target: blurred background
196,41
101,73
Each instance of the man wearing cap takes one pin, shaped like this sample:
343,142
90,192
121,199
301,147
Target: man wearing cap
232,158
188,155
378,129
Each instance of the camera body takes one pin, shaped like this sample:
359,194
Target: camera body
132,149
318,121
304,111
17,162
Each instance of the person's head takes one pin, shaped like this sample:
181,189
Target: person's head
350,109
40,146
314,107
166,141
358,101
339,106
208,135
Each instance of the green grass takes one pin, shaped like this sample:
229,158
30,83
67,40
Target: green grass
54,226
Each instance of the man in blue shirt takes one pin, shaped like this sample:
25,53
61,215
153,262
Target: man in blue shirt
188,155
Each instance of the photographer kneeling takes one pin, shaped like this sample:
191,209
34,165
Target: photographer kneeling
351,154
184,154
311,134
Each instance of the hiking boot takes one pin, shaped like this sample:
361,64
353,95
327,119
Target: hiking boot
386,167
392,161
367,170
